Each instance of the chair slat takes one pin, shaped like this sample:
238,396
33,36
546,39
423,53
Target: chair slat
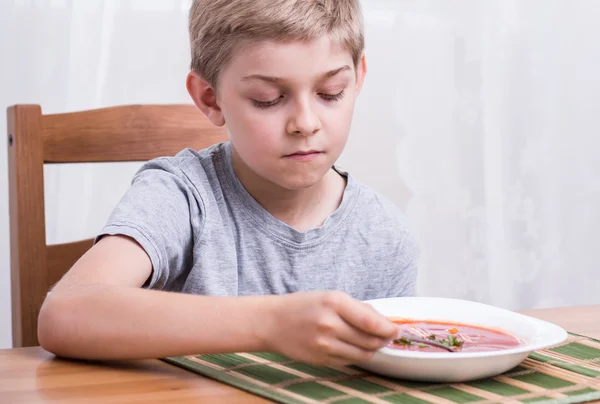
126,133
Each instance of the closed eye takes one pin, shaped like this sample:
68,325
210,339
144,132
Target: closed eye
333,97
272,103
267,104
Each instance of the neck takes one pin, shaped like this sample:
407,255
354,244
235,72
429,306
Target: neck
301,209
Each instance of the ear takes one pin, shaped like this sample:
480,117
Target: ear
205,98
361,72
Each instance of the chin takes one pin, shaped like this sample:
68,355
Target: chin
299,182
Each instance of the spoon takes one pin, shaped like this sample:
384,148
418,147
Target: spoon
426,341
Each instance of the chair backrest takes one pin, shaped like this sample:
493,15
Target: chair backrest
116,134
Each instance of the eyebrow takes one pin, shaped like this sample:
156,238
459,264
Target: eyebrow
272,79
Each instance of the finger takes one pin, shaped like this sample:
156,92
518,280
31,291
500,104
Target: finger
367,319
361,339
344,354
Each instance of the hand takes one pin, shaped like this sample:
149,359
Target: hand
327,328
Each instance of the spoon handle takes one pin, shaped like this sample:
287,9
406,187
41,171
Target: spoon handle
425,341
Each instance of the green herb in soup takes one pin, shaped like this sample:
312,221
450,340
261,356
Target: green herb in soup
458,337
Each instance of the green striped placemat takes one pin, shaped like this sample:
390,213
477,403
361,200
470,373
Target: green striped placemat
568,373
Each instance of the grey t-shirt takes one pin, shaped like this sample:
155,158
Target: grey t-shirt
205,234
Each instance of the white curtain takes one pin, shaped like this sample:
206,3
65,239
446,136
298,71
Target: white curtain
479,119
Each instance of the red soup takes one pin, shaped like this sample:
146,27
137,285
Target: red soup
461,337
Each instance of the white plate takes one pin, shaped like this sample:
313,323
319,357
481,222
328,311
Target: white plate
459,366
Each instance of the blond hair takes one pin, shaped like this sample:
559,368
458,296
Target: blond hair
218,27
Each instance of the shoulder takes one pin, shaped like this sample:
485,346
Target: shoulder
196,172
188,163
186,182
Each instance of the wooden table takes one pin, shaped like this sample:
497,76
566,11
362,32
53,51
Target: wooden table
32,375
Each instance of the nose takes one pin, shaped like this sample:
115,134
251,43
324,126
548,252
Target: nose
303,121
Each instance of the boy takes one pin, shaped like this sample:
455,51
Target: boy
259,243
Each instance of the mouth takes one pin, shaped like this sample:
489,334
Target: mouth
304,155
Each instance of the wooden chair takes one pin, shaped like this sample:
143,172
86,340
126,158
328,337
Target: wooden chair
116,134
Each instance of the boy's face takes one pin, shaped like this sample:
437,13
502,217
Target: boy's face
288,108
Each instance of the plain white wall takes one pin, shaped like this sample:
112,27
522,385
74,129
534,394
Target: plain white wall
479,119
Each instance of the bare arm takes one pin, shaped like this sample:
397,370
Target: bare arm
99,311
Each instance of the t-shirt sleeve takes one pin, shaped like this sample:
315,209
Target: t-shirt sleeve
157,212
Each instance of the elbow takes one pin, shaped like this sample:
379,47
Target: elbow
54,323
